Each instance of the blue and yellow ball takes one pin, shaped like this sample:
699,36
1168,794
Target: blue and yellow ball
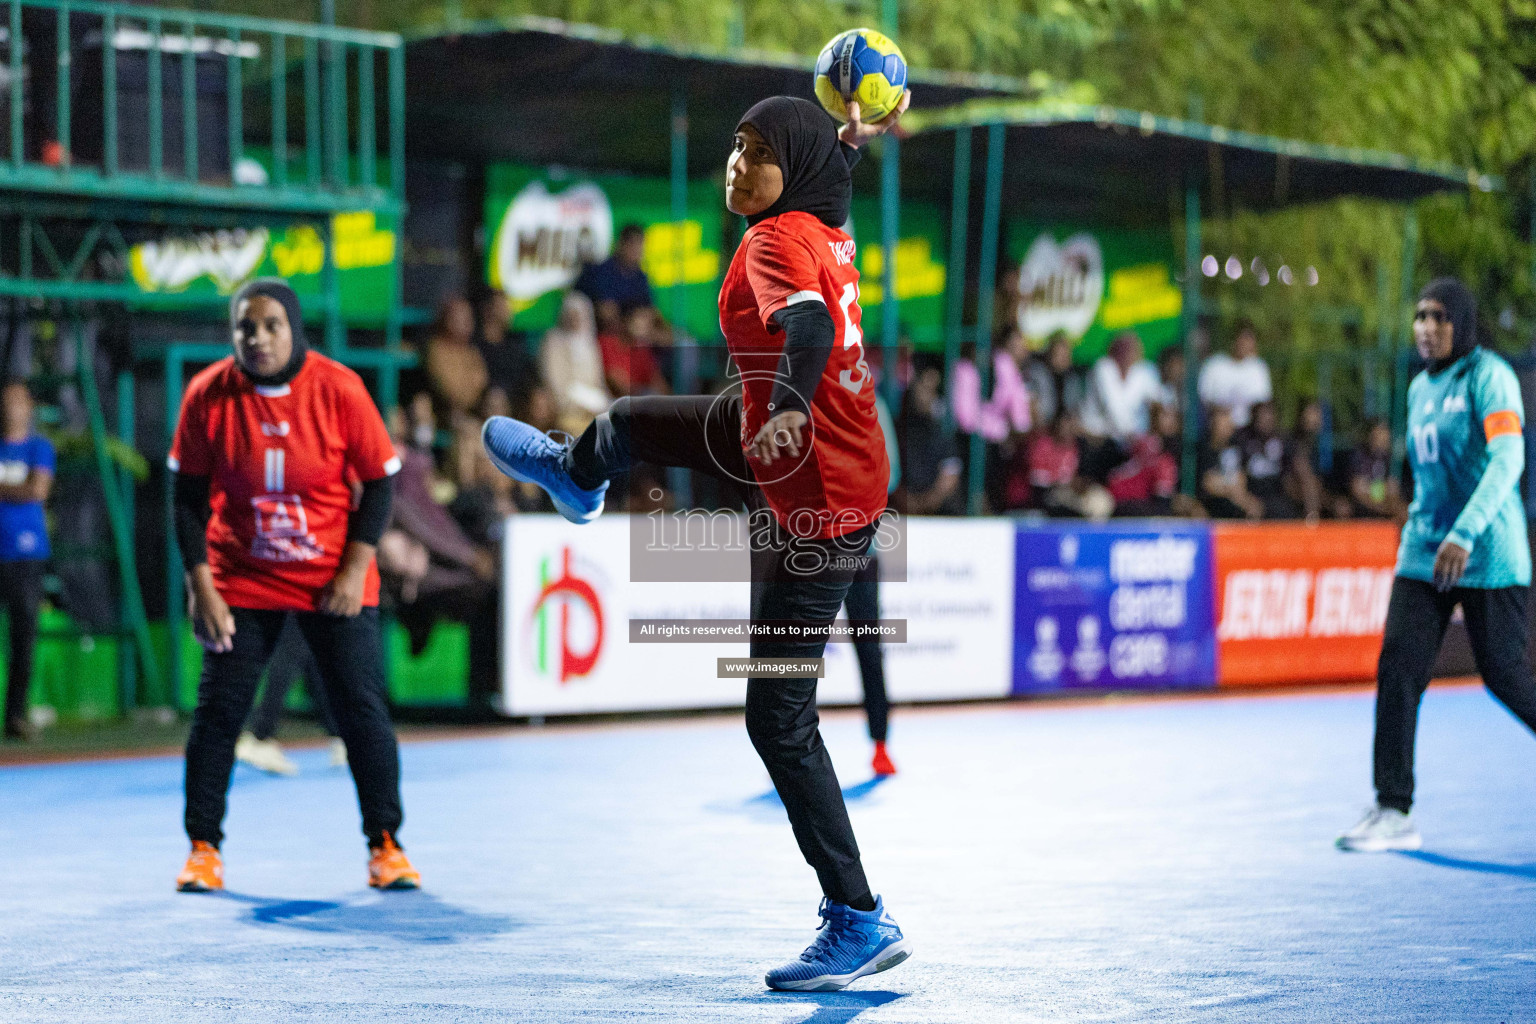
864,65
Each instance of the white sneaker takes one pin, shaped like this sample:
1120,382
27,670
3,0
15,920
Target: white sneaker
1382,829
265,755
338,753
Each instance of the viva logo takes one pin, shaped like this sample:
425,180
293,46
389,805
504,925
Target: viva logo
566,603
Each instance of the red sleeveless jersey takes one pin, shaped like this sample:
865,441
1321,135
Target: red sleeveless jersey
839,482
279,462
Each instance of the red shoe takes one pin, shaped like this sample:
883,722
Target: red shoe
882,763
388,868
204,871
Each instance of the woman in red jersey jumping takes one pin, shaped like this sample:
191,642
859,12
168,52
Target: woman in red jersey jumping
803,438
267,443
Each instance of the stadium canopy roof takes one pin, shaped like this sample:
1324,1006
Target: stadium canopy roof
541,91
1099,163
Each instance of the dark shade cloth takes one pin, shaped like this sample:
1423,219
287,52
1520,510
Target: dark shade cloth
273,288
1461,307
804,141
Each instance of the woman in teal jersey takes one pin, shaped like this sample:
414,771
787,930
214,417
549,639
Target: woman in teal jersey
1464,543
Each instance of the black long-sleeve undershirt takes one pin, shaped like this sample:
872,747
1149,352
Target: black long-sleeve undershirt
190,514
809,335
369,520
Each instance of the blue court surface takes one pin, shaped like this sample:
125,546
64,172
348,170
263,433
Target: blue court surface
1162,860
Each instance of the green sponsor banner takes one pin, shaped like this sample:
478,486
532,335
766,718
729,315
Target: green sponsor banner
1092,283
920,272
543,225
200,266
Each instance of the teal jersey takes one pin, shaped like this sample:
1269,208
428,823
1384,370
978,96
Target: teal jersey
1467,452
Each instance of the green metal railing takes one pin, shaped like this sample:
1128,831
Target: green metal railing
114,136
92,44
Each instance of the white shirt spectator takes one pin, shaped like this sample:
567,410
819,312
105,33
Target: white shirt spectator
1118,403
1236,385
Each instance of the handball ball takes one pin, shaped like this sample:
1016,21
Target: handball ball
866,66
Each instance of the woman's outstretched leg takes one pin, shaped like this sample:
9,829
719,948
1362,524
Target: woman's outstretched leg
698,432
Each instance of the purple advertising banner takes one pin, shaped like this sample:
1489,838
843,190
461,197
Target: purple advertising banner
1113,607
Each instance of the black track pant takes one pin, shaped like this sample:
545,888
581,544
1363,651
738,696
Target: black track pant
863,603
350,655
703,433
21,592
1416,621
291,659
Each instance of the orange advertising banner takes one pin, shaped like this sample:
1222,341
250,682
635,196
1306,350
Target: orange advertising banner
1298,603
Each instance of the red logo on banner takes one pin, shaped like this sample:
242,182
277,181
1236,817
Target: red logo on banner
562,590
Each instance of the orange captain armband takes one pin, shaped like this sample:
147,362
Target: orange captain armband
1500,424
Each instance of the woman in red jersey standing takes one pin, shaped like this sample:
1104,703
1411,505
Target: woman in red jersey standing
803,438
267,442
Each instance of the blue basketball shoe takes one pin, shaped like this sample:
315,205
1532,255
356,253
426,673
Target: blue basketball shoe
850,944
526,453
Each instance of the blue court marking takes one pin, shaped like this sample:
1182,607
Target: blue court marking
1120,862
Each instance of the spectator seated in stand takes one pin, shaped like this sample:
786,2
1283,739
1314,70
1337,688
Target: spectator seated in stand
1312,448
1238,381
421,420
1223,483
1122,388
508,363
1008,410
432,568
1049,479
1374,490
930,466
1147,484
630,364
455,368
1284,483
572,364
618,285
1172,371
1054,384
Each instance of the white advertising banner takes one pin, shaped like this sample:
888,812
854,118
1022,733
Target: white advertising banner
567,600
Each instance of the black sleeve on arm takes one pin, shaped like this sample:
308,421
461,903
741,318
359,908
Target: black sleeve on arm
809,335
850,154
368,521
190,513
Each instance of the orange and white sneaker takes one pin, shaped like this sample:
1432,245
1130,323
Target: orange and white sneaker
204,871
388,868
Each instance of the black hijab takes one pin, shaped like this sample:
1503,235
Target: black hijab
816,169
1461,308
278,290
